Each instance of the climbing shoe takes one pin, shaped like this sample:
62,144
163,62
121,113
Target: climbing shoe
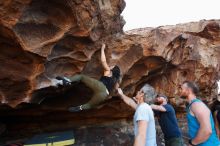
75,109
65,80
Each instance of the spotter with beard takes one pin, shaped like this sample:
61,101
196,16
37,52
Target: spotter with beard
167,121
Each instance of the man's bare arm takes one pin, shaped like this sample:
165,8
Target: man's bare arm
216,123
158,108
105,65
202,114
140,138
129,101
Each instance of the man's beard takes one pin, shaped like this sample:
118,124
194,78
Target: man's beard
183,97
158,102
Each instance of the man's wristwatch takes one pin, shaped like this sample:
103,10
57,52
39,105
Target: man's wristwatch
190,142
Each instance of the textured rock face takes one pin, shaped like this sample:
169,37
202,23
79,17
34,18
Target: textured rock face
183,52
41,39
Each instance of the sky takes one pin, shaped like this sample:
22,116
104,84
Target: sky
153,13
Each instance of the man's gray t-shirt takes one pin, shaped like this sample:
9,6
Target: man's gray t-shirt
144,112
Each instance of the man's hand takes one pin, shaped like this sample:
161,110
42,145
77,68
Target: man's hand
103,46
120,92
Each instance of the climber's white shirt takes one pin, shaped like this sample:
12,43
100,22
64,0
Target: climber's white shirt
144,112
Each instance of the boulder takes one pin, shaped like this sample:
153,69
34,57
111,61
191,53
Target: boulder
42,39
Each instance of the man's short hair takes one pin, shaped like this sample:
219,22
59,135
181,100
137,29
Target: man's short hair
149,93
162,95
193,86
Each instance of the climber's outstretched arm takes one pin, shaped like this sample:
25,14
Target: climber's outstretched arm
107,70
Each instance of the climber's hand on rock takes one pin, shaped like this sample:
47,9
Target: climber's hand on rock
75,109
103,46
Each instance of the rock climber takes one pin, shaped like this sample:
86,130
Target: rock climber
102,88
